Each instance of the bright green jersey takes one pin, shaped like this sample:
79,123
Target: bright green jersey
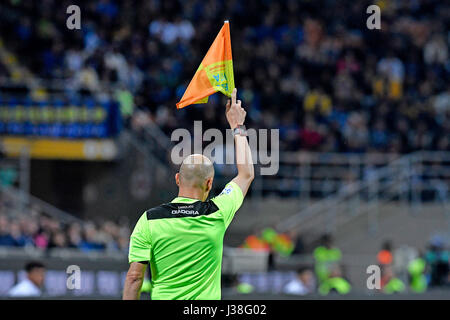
183,241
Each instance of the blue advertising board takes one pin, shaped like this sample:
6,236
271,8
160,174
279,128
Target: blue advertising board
57,119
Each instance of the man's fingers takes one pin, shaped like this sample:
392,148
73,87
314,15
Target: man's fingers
233,96
238,103
228,106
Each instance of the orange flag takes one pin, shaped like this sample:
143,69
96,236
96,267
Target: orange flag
214,74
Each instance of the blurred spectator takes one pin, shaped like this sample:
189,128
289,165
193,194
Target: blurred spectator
74,235
57,240
437,258
299,244
304,283
436,51
90,239
335,282
5,237
384,256
31,285
417,278
389,282
326,257
402,258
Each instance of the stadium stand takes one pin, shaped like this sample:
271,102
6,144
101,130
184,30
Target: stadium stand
354,99
321,76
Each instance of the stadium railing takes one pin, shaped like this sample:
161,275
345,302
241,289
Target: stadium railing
309,176
17,188
411,179
26,200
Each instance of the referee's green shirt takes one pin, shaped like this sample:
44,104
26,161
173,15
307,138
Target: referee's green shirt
183,241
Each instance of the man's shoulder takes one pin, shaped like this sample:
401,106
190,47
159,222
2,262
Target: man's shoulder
231,195
181,210
24,288
231,189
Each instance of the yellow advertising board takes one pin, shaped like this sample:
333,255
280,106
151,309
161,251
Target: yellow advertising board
64,149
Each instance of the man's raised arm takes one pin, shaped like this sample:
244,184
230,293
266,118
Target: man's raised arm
236,116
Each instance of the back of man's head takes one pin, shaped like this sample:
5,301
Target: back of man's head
195,170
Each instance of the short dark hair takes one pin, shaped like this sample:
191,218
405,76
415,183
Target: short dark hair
30,266
302,269
387,245
326,239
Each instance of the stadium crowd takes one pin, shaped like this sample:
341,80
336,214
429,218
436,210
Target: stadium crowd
38,230
321,76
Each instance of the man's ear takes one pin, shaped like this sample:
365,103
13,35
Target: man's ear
209,183
177,179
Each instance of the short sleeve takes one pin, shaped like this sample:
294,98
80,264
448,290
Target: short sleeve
229,201
140,244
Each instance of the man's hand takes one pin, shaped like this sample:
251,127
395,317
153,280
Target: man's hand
234,112
236,116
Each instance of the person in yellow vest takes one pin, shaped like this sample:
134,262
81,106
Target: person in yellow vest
326,256
418,281
126,103
390,284
335,282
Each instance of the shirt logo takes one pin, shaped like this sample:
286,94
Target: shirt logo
188,212
181,210
227,190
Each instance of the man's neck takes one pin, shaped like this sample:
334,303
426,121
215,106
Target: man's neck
192,194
